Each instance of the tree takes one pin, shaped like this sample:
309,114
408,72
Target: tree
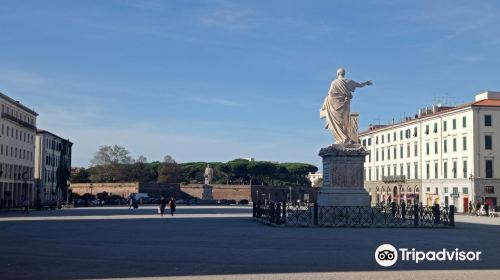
260,170
141,159
111,154
82,176
239,167
168,159
169,171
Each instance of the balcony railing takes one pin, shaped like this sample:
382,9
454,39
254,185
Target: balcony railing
18,121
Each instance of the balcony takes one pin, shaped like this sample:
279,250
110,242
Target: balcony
18,121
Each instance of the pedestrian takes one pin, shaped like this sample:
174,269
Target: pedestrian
478,208
130,202
471,208
171,204
486,209
162,205
26,206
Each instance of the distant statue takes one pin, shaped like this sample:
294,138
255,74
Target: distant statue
209,174
336,109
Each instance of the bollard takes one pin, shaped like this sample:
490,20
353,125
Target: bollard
315,214
284,211
254,209
452,215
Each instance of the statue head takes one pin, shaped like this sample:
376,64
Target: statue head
341,72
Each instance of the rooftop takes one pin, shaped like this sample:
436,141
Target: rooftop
485,99
17,103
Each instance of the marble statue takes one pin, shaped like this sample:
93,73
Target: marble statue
209,174
336,109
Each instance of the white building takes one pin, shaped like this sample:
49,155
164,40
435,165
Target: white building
52,165
445,155
316,179
17,150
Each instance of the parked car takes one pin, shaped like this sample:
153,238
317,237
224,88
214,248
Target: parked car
243,201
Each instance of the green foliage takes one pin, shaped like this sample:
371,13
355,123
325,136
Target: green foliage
237,171
83,176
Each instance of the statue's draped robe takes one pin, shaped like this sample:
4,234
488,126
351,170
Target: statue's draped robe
337,107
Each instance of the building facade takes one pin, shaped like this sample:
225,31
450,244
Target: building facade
17,151
444,155
52,165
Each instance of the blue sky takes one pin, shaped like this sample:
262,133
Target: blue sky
217,80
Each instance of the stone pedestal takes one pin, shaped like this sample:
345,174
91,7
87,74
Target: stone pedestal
207,192
343,176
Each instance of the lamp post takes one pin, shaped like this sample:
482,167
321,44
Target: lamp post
91,187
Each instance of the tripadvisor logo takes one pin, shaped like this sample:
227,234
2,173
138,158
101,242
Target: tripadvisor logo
387,255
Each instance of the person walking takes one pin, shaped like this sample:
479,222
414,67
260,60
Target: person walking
171,204
478,208
162,205
471,208
130,202
26,207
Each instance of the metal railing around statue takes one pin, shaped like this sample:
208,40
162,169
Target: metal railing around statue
312,215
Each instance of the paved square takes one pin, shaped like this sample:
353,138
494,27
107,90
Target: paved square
120,243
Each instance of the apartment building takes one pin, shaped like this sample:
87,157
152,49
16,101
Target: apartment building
52,165
444,155
17,150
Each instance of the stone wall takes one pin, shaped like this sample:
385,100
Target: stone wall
125,189
236,192
122,189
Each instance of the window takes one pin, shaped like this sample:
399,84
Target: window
383,171
376,140
445,146
389,153
388,170
376,155
427,129
415,132
369,173
408,150
369,141
465,190
454,123
388,137
489,189
488,145
436,168
435,147
428,170
464,141
377,174
445,126
464,122
383,154
445,169
445,189
487,120
416,170
489,168
465,168
454,169
395,167
454,144
394,136
408,170
427,148
400,151
364,142
395,149
435,127
382,139
401,169
416,148
401,135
